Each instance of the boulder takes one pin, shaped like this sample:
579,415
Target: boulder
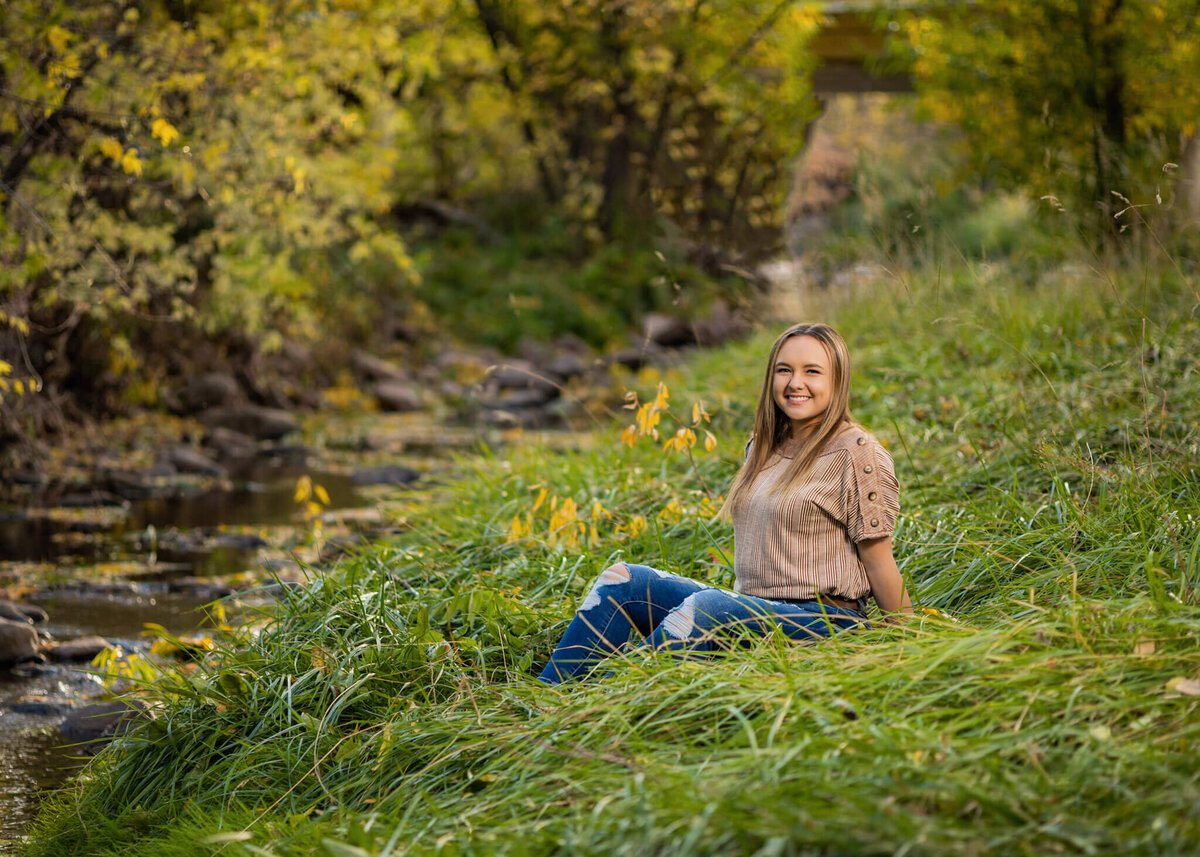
667,331
389,474
720,326
186,459
239,541
227,443
87,499
567,365
517,400
287,453
18,643
42,705
255,421
521,375
15,611
200,588
76,651
210,390
398,396
99,721
635,357
376,369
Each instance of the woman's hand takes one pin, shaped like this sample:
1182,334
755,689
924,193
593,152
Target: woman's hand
886,583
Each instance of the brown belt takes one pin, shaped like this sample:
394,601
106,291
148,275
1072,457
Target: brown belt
839,602
831,600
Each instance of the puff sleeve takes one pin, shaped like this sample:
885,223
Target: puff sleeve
872,492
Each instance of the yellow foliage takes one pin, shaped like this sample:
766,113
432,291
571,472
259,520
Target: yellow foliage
59,38
131,163
110,148
164,131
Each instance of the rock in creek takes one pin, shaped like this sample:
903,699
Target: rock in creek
92,724
18,612
254,420
201,588
185,459
209,391
392,474
376,369
42,705
227,443
18,643
521,375
398,396
81,650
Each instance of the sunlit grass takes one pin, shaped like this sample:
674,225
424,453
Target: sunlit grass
1046,438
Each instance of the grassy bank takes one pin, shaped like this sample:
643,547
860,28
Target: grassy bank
1045,435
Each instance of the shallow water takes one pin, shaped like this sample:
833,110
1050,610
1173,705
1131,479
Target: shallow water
33,758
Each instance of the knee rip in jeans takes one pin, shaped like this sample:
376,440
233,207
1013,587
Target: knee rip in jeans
680,622
618,573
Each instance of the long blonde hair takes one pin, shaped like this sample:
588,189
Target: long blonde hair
772,427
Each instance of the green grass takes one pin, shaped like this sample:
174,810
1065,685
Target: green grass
1045,437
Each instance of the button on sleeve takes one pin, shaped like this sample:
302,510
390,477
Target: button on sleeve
874,500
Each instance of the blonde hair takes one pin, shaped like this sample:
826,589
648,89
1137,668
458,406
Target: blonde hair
772,427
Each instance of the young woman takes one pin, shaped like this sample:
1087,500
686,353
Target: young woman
813,508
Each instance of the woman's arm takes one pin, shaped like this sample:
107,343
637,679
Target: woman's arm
886,583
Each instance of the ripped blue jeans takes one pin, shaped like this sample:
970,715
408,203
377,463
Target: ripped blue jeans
675,613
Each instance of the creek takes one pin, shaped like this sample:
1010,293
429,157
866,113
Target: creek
154,544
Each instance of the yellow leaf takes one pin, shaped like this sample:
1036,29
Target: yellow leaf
131,163
5,368
629,436
59,38
696,412
164,131
303,489
110,148
19,386
321,493
710,441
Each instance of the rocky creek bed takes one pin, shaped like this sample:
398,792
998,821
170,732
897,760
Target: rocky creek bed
88,576
146,522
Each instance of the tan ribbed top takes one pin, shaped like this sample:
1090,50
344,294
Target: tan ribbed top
798,544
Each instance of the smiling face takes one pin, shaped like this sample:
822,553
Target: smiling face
802,382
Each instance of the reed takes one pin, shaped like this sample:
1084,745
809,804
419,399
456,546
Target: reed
1044,700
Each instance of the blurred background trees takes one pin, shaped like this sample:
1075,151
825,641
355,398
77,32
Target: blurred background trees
184,182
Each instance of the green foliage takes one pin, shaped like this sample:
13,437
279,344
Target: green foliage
1079,100
238,172
1045,436
532,284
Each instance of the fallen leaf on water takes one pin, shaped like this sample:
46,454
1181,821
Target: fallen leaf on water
1186,686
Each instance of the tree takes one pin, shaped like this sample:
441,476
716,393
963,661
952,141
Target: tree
1080,99
175,171
631,109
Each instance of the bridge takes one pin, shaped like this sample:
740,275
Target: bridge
848,46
